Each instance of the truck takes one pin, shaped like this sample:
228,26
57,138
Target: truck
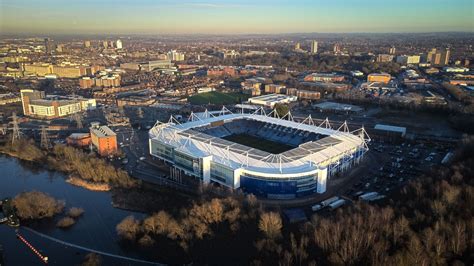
336,204
329,201
316,207
368,196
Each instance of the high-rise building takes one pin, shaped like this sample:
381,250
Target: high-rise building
392,50
87,44
297,46
445,57
118,44
314,47
47,45
105,44
174,55
60,48
438,58
337,48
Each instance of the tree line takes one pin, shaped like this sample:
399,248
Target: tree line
70,160
427,222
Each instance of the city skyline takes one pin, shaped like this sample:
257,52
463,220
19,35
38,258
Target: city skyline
234,17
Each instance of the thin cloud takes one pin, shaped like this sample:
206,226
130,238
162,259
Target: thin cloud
211,5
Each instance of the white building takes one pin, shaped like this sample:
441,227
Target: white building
205,89
271,100
314,47
198,148
357,73
118,44
455,69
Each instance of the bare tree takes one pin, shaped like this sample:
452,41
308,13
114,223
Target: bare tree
270,224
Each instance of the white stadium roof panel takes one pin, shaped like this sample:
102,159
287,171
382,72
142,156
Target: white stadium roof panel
303,158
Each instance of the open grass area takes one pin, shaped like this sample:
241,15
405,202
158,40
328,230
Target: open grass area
215,97
259,143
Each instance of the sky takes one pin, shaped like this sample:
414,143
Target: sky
233,17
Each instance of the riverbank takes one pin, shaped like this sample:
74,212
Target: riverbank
88,170
77,181
95,229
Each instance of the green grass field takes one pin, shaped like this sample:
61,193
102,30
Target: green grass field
259,143
215,97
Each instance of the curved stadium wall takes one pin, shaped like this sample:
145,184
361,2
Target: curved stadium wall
199,148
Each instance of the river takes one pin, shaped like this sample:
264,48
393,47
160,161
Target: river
94,230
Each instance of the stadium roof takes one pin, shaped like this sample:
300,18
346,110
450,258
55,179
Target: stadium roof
304,158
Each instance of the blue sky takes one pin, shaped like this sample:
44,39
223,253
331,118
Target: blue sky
231,16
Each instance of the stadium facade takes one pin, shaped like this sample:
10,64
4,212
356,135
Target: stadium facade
317,152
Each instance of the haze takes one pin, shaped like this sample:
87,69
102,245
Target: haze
231,17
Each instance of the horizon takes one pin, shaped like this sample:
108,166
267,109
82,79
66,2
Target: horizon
212,17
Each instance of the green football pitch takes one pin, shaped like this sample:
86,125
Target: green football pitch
215,97
259,143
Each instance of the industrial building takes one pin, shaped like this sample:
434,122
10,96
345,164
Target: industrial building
149,66
103,139
79,140
62,71
271,100
324,77
379,77
199,148
337,107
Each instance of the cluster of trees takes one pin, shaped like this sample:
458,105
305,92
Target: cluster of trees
196,232
72,215
319,63
429,221
71,160
88,167
462,96
37,205
24,149
281,109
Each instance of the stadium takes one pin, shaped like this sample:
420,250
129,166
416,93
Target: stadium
262,154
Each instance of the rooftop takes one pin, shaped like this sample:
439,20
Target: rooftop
102,131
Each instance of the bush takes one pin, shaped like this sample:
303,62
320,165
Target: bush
75,212
128,228
92,259
37,205
65,222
